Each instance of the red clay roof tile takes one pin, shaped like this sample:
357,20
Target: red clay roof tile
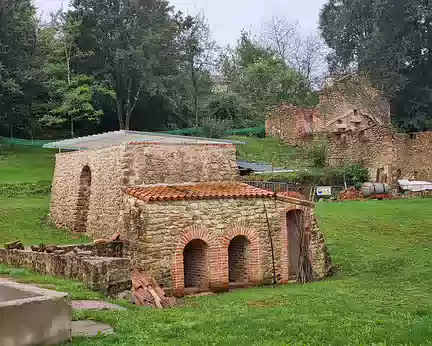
223,190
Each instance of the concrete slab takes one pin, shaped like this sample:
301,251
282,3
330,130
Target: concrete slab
94,305
90,328
32,316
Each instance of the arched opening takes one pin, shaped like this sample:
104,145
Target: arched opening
196,265
238,259
295,229
83,200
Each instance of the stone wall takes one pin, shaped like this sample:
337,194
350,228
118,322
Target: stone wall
172,164
372,148
413,156
104,199
159,232
388,156
108,275
86,191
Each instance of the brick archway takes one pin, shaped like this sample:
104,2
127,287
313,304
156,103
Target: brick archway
83,200
284,237
201,241
237,235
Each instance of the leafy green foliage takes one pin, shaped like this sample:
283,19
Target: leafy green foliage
317,152
352,175
262,78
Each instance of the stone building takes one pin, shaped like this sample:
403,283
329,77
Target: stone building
177,201
355,120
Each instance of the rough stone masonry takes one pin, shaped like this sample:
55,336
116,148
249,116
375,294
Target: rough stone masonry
189,222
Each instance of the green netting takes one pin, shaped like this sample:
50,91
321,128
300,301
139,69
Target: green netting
182,132
260,130
25,142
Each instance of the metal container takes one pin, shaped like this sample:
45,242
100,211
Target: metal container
369,189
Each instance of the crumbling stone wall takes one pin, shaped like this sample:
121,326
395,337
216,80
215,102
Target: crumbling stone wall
372,148
95,208
413,156
108,275
159,232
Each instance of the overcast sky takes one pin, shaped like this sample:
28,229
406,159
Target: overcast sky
228,17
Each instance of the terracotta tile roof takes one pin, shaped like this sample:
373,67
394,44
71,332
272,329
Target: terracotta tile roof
225,190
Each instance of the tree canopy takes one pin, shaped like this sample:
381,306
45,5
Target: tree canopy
391,42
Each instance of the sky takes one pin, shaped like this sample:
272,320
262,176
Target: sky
227,18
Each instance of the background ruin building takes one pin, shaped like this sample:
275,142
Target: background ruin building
354,118
189,222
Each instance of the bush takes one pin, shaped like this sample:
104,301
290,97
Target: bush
317,152
214,128
329,176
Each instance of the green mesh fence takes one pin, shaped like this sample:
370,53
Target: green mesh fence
25,142
260,130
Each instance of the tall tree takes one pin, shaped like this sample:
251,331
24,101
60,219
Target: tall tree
304,53
17,48
262,78
128,43
200,56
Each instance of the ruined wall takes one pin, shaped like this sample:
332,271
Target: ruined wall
108,275
373,148
413,156
172,164
158,233
292,124
105,198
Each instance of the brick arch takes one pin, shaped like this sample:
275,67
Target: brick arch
254,262
188,235
284,237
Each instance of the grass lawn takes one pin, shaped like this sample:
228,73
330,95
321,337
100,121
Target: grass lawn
270,151
382,293
26,219
23,164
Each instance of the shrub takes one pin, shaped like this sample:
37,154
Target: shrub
317,152
352,175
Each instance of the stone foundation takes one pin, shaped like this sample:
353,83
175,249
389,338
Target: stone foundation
109,275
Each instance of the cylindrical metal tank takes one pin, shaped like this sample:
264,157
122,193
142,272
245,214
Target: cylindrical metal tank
369,189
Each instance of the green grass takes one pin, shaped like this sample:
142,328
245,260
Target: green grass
26,219
269,150
382,293
22,164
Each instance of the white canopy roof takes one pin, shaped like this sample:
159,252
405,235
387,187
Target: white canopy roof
109,139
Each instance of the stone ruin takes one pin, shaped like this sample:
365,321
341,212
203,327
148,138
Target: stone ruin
100,266
354,118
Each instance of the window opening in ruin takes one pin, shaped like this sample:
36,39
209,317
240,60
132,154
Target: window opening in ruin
195,261
83,202
238,259
380,175
355,112
339,121
399,174
294,221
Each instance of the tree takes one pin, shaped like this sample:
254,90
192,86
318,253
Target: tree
262,78
17,48
129,44
200,56
391,42
304,53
